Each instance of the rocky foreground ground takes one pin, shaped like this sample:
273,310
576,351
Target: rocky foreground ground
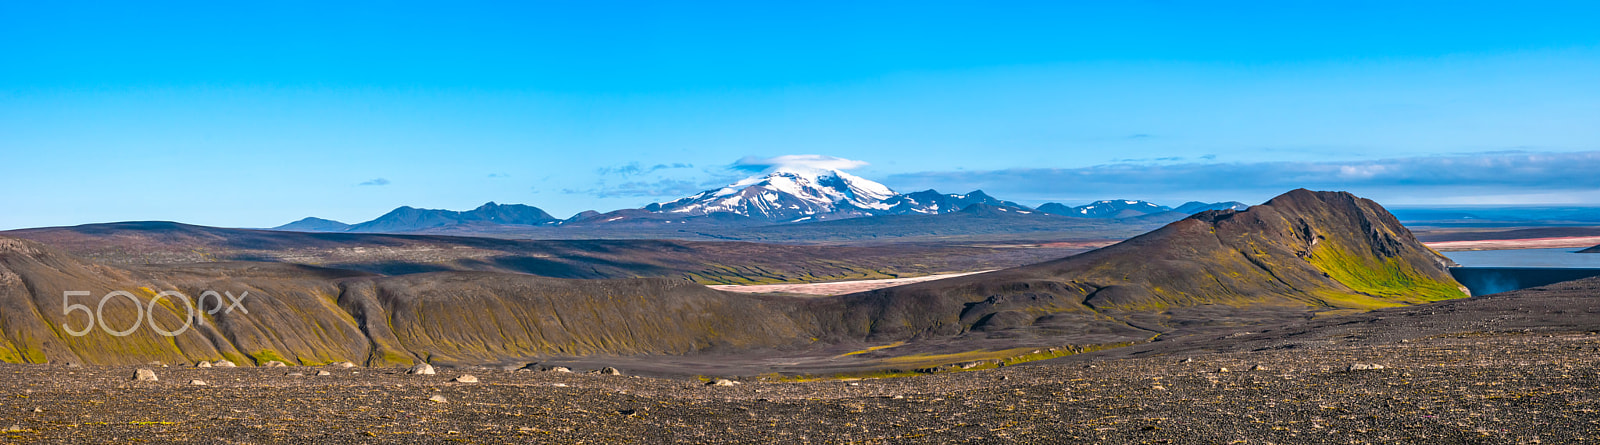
1517,367
1470,388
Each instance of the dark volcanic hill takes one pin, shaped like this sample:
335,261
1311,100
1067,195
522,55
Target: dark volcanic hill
1299,254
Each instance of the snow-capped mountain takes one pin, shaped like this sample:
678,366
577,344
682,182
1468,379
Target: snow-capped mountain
1119,208
931,202
1111,208
1129,208
788,196
795,195
1193,207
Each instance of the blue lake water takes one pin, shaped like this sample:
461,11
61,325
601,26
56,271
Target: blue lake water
1526,258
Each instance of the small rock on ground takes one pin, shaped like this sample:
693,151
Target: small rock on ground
465,378
144,375
421,369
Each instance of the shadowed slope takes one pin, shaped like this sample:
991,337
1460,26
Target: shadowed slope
302,314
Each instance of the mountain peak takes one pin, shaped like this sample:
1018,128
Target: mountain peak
787,194
314,224
1106,208
411,219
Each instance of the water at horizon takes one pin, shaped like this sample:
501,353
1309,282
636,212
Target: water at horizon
1565,257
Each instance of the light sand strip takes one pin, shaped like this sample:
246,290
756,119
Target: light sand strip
834,287
1509,244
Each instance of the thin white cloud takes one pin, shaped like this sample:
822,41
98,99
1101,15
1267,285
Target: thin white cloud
1505,173
637,169
796,162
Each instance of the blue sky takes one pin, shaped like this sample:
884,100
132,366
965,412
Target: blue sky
256,115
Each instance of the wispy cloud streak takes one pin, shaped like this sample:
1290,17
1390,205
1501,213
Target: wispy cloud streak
1507,171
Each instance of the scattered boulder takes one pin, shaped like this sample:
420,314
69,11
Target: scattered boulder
1222,369
465,378
1258,368
439,399
610,371
321,373
224,364
1363,367
203,364
721,382
144,375
559,369
559,385
1187,360
421,369
197,382
295,374
344,365
275,364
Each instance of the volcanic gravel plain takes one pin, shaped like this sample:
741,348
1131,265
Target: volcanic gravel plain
1518,367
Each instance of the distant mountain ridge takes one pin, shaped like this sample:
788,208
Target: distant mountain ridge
780,197
314,224
405,219
800,195
1131,208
